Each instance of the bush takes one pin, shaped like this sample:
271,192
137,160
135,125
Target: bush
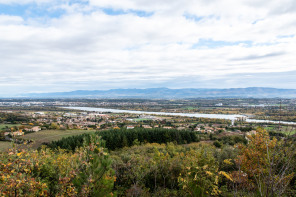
85,172
217,144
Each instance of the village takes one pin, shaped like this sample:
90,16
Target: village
19,123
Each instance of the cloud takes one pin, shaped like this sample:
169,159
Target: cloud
110,44
254,57
10,20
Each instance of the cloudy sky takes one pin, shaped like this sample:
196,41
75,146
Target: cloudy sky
65,45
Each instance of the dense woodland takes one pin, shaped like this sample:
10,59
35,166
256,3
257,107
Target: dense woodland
141,165
119,138
13,117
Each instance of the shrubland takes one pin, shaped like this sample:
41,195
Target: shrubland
145,162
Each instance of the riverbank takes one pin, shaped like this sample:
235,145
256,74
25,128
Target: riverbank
231,117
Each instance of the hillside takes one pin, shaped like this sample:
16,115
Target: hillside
166,93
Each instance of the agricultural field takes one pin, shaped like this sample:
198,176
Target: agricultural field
141,119
5,145
47,136
288,130
2,126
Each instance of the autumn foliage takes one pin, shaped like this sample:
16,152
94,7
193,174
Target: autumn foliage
85,172
265,164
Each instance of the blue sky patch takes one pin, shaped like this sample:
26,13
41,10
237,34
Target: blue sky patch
85,2
114,12
193,17
209,43
31,10
286,36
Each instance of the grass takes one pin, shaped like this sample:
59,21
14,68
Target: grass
2,126
288,130
270,128
47,136
5,145
141,119
44,136
190,108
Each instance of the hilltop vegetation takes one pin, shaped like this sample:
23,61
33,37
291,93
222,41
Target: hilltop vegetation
262,167
119,138
84,172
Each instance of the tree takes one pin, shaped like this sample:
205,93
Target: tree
202,174
54,126
83,172
267,163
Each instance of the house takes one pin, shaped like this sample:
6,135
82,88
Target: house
18,133
209,131
36,129
130,127
147,127
39,113
197,129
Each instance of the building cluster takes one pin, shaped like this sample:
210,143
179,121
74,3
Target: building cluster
60,120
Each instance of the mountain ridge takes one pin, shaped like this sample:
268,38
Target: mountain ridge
165,93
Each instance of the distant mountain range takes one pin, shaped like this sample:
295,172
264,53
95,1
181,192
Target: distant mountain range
166,93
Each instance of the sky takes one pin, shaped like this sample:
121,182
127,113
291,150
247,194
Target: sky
66,45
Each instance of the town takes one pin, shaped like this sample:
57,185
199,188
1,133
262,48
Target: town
27,117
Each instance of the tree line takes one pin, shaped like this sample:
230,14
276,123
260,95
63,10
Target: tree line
119,138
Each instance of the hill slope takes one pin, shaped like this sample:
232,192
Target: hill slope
166,93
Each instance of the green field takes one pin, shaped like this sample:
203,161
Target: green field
2,126
5,145
44,136
190,108
51,135
288,130
141,119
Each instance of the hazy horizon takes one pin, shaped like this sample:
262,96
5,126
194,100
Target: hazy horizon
166,93
68,45
131,88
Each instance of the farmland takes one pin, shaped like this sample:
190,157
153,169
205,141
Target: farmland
4,145
3,126
148,155
44,137
51,135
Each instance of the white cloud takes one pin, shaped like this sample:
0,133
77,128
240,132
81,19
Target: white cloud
87,46
10,20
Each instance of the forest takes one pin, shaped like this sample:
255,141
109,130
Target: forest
138,163
119,138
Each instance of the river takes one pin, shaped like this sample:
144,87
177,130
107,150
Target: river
231,117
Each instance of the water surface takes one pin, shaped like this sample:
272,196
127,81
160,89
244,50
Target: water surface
231,117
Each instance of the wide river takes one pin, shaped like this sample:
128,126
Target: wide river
231,117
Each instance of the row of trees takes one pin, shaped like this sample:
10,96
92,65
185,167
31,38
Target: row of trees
119,138
13,118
